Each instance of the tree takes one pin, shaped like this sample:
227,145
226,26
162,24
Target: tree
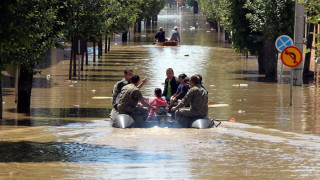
313,9
254,25
271,18
33,27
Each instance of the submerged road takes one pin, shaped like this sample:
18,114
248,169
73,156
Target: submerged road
68,135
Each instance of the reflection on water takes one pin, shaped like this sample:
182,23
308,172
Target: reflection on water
73,152
66,135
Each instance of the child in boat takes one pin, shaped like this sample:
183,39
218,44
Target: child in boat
157,101
180,94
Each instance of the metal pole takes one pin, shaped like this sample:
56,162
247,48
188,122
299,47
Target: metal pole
281,72
299,27
79,59
291,84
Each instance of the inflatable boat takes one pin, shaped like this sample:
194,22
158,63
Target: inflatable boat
136,121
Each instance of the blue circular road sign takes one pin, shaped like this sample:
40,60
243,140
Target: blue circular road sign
282,42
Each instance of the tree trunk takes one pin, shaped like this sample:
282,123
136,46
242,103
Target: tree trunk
70,66
87,59
124,37
24,90
106,45
94,51
261,68
1,105
100,48
139,26
306,68
109,44
148,22
270,60
82,61
74,64
195,7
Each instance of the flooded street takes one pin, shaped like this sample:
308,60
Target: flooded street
68,133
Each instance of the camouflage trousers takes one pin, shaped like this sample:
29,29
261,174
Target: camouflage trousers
137,110
188,113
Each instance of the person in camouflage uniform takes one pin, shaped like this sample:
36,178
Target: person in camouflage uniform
127,73
129,97
197,98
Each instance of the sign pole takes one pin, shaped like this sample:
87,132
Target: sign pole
79,59
291,56
291,85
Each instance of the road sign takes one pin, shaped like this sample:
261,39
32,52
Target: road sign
291,56
283,42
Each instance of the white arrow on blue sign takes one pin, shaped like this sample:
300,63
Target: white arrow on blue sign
282,42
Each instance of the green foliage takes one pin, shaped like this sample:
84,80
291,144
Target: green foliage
32,27
215,10
313,9
190,2
250,22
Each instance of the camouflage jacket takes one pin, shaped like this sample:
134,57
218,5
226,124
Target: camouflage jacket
197,98
117,89
129,96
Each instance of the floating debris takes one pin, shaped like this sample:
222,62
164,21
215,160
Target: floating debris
240,85
241,111
101,97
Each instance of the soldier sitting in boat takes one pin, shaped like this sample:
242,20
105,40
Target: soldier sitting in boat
129,97
197,98
127,73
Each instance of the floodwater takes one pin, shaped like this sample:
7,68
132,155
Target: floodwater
68,135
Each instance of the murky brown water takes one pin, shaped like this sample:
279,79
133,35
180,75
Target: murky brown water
67,135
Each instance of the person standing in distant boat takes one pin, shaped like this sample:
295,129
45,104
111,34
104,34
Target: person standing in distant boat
175,36
160,35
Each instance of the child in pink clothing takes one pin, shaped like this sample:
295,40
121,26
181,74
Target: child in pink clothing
157,102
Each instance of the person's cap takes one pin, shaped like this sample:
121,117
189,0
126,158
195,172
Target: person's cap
176,27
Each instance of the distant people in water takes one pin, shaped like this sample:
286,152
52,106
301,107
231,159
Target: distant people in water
175,36
160,35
